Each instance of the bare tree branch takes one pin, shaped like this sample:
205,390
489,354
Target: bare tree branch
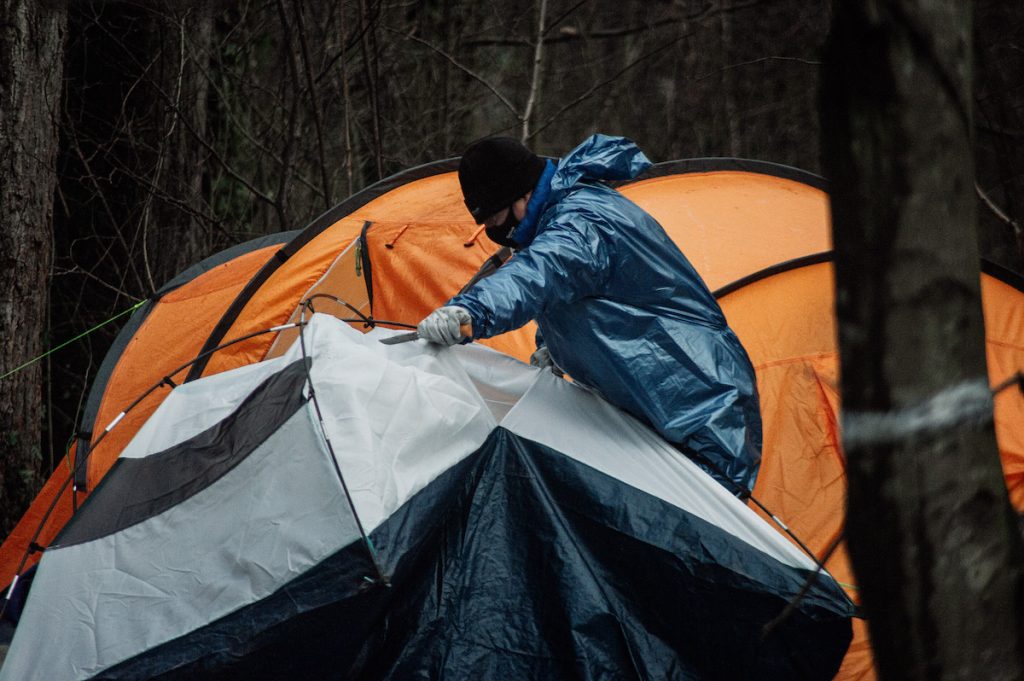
239,126
177,202
759,60
147,209
369,62
465,69
564,15
997,211
346,97
570,34
538,54
106,207
586,95
79,270
346,46
227,167
317,118
168,101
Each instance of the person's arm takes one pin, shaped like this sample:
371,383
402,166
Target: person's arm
566,262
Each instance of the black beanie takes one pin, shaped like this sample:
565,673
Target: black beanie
496,171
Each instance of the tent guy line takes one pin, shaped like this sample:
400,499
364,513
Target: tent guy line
79,337
368,320
744,494
808,584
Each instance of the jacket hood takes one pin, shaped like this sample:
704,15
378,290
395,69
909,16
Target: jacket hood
598,158
527,229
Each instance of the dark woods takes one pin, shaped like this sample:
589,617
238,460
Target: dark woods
179,128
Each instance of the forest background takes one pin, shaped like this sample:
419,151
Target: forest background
137,137
165,131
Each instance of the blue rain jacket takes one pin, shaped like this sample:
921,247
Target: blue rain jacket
623,311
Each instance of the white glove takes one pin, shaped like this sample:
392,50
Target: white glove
443,325
541,358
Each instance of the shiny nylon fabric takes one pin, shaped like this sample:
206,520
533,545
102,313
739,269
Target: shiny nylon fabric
527,229
622,310
731,219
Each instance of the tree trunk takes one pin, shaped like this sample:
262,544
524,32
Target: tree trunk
176,223
931,534
31,51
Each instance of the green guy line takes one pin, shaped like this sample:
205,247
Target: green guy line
69,342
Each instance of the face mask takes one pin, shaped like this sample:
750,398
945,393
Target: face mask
502,234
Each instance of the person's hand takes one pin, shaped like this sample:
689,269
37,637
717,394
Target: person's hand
446,325
541,358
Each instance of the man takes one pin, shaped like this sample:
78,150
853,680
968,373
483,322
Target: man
618,306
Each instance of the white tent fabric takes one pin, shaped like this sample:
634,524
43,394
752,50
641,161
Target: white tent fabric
594,432
274,516
397,417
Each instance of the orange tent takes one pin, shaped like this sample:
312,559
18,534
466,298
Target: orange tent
758,233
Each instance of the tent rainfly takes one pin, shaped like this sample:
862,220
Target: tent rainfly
456,513
473,517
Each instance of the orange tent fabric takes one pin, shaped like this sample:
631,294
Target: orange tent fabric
422,247
163,344
1004,322
786,322
734,223
759,234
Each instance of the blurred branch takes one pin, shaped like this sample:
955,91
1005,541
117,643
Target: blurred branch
355,40
369,66
317,117
759,60
1001,130
996,210
562,17
538,54
465,69
161,152
586,95
570,33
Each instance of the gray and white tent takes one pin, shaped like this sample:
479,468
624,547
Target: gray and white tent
455,514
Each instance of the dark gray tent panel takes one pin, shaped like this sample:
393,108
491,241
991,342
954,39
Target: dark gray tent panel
88,426
517,527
